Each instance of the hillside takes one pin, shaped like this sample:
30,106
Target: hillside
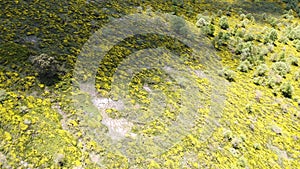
149,84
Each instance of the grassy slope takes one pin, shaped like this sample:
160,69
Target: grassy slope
257,128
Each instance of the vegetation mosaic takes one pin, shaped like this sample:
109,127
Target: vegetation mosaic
257,41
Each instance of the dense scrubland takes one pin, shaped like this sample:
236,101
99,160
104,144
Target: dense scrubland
258,125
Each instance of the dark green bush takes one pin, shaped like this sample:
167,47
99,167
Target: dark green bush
221,40
248,37
242,16
294,60
272,21
250,17
224,22
287,89
179,3
293,4
3,95
208,30
219,13
47,67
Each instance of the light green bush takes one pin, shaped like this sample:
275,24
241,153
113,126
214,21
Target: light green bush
244,66
297,45
293,33
203,20
281,68
261,70
278,57
297,75
274,80
227,74
271,36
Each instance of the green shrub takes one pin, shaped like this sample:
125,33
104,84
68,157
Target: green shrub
224,22
240,33
281,68
283,39
297,45
208,30
270,47
250,17
244,23
276,57
259,80
178,3
248,37
272,21
47,67
264,16
203,20
221,39
293,33
261,70
3,95
219,13
297,75
178,24
227,74
263,51
274,80
287,89
249,108
294,61
242,16
271,36
244,66
248,51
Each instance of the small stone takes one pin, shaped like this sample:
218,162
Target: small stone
27,121
257,146
296,138
236,142
252,127
277,130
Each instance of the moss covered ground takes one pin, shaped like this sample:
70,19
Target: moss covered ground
256,119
